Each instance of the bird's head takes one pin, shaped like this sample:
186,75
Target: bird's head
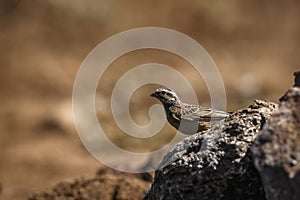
166,96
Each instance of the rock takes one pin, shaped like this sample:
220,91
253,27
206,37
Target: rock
296,84
277,150
108,184
297,79
50,124
216,164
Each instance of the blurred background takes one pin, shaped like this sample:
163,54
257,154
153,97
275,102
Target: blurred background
254,43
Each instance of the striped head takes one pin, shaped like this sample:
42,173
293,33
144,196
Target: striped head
166,96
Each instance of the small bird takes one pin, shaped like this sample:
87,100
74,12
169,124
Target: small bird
188,119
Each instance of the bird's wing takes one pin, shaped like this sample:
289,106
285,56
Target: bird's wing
195,112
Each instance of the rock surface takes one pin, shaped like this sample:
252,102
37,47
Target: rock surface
277,150
108,184
216,164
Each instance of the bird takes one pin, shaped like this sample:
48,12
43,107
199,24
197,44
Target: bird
188,119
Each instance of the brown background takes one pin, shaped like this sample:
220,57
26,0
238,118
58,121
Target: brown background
254,43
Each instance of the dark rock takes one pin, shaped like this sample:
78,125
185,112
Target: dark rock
297,79
277,150
215,164
296,84
50,124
